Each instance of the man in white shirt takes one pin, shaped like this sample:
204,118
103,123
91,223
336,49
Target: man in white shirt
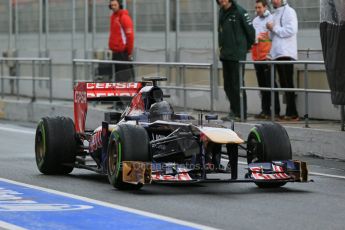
260,52
284,27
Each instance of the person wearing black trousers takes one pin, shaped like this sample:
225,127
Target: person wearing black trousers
283,29
260,52
285,72
236,35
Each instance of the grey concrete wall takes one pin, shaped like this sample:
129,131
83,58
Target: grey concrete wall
24,110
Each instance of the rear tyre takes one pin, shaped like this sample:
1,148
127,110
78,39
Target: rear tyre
55,145
126,143
268,142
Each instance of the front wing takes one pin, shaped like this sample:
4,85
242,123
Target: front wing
277,171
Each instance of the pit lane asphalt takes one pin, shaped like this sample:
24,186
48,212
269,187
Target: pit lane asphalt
316,205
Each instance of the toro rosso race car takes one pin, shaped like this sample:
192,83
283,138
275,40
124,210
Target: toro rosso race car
149,143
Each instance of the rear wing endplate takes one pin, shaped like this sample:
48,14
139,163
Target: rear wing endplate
99,91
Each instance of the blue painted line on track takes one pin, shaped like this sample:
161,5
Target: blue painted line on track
35,209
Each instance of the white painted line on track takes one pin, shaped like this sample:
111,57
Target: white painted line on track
118,207
310,173
326,175
5,225
17,130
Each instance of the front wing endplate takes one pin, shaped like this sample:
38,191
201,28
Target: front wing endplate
135,172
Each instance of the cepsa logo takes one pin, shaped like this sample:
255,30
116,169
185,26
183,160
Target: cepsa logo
124,89
120,85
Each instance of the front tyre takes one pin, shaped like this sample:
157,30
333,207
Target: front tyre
126,143
55,145
268,142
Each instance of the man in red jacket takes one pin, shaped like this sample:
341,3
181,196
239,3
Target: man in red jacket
121,40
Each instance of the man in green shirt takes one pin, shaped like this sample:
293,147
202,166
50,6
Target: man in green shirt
236,35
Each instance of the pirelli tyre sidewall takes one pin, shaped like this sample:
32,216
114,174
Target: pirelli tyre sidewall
55,145
126,143
268,142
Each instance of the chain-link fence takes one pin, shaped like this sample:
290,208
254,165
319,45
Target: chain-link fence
171,30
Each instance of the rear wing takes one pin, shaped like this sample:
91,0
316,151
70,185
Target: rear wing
91,91
106,91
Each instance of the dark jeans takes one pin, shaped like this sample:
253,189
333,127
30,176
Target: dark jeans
231,76
263,74
123,72
285,72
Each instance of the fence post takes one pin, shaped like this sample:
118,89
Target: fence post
241,92
177,43
184,87
134,17
18,74
86,26
93,71
167,37
33,82
74,71
73,29
40,25
272,92
211,87
2,78
178,79
215,47
113,72
46,27
93,25
306,98
10,24
16,25
167,29
86,33
50,81
342,118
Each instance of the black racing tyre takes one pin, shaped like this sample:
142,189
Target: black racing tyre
126,143
268,142
55,145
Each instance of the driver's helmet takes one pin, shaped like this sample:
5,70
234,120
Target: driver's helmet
160,111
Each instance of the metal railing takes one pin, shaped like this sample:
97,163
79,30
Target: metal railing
16,65
180,66
272,89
